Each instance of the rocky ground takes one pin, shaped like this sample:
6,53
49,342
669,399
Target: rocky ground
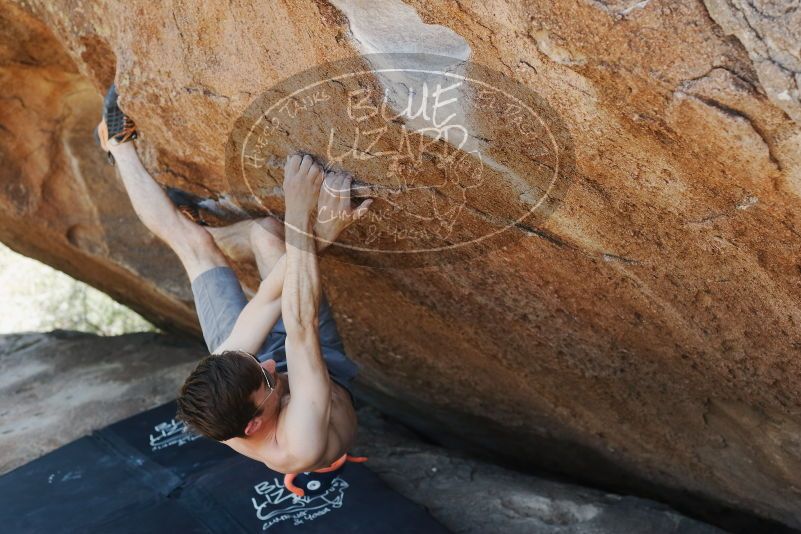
59,386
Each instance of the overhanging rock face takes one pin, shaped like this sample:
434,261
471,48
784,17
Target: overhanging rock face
640,329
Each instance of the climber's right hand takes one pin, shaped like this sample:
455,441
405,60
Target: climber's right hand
302,180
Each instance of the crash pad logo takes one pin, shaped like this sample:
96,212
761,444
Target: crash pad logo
460,158
276,504
170,433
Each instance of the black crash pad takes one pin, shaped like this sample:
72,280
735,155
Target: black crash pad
146,474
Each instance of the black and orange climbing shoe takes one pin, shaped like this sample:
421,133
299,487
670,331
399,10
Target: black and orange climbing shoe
116,127
188,204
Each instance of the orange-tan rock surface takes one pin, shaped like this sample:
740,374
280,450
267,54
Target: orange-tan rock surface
644,335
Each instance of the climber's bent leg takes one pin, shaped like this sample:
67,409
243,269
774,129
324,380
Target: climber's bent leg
267,242
219,298
194,246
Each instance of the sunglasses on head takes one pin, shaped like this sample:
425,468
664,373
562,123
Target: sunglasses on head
269,380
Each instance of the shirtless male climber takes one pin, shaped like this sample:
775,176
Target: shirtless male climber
275,385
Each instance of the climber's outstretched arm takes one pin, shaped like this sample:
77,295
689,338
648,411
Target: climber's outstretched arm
303,432
192,243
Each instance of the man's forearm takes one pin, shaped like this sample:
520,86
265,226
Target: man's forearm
300,302
301,291
259,316
309,409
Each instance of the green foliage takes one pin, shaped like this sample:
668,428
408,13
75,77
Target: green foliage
36,298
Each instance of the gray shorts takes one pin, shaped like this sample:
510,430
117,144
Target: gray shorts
219,299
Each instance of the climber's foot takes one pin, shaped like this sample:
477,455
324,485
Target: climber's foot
249,239
120,128
234,239
267,242
266,229
116,127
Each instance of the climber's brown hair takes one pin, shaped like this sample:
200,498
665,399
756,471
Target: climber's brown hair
215,398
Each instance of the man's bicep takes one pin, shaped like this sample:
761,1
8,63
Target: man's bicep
304,429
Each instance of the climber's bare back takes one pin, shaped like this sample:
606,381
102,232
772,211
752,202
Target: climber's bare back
341,433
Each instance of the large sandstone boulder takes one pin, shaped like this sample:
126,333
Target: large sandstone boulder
639,329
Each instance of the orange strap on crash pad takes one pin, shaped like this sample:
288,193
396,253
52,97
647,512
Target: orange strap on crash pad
289,478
